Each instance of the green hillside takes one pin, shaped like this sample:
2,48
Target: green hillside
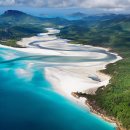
112,32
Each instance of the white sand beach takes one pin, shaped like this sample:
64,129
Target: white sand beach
77,67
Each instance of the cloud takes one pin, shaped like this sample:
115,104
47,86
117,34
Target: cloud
103,4
48,3
108,4
7,2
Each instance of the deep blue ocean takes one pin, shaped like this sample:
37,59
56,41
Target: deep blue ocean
29,102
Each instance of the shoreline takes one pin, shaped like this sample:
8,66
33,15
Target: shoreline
105,117
98,111
60,76
87,104
92,106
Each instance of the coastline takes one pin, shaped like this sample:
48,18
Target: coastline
98,111
56,75
91,104
104,116
83,102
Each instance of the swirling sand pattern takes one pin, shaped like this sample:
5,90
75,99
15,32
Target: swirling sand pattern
33,80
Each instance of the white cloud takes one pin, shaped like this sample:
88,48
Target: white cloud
108,4
104,4
7,2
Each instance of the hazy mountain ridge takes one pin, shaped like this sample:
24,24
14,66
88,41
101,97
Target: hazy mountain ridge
18,17
77,15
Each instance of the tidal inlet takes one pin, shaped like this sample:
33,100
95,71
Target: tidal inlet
39,79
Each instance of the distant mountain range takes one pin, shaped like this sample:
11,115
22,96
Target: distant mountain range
14,24
18,17
78,15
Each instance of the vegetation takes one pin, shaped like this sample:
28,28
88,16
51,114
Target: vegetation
106,33
115,98
10,34
9,43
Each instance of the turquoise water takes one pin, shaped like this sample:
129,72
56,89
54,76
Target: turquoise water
29,102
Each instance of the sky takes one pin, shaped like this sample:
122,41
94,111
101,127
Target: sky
89,6
102,4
